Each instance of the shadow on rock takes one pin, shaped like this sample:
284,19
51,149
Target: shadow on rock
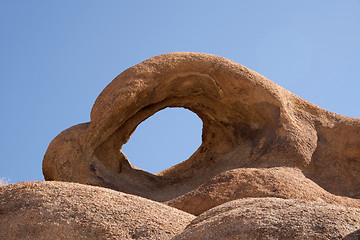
353,236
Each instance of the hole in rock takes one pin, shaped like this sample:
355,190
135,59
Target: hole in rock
165,139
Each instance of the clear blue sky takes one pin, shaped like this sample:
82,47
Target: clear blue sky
57,56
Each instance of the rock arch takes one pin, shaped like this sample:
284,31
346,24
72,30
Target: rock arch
248,121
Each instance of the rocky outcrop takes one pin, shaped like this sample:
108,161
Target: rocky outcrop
57,210
258,140
248,122
274,218
282,182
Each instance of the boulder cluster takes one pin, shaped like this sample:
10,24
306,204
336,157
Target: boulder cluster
271,165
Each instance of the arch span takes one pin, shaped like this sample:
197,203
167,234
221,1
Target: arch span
248,121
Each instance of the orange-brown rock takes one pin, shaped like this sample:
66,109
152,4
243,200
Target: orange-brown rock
275,218
58,210
248,122
259,140
280,182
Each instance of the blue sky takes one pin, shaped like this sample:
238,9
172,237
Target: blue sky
57,56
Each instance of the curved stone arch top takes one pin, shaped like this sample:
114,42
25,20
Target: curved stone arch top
248,121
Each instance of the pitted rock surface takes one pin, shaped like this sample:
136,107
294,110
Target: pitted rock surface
248,122
59,210
275,218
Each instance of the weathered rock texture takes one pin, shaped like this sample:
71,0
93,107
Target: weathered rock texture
248,122
274,218
259,140
56,210
282,182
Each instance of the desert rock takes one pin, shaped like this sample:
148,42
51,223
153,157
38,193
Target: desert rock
274,218
248,122
271,165
281,182
57,210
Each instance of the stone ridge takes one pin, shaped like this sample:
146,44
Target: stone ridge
274,218
59,210
281,182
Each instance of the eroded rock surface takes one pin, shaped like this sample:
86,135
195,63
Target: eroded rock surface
57,210
281,182
274,218
259,140
248,122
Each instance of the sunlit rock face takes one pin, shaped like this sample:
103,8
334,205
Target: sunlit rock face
62,210
279,182
259,141
248,121
275,218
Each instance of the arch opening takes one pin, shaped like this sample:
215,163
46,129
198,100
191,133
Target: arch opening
167,138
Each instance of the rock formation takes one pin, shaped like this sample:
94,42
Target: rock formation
57,210
288,183
248,122
271,165
274,218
